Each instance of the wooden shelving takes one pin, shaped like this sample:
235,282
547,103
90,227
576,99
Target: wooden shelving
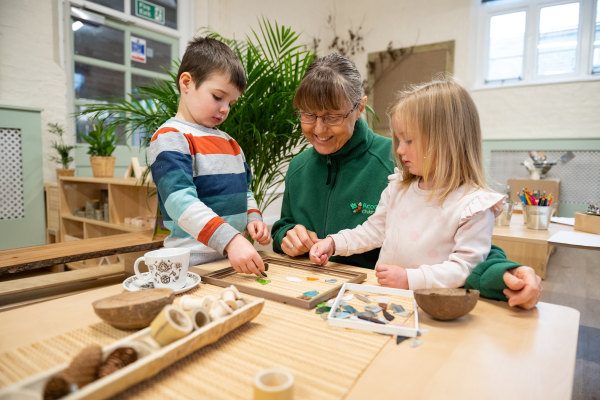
128,200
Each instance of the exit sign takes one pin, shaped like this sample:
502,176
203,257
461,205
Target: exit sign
150,11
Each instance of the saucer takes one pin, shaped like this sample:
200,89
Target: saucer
192,280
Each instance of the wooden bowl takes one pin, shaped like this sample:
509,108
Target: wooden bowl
133,310
446,304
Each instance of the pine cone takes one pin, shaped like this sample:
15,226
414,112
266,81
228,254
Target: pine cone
56,388
116,360
84,367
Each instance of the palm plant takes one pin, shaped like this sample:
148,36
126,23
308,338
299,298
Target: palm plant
262,121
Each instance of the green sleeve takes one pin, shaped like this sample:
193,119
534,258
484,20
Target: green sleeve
487,277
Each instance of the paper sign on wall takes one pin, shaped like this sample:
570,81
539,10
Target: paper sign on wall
138,49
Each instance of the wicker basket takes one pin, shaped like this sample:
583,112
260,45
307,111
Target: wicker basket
103,167
64,172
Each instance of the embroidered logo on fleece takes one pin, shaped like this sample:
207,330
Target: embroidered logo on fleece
362,208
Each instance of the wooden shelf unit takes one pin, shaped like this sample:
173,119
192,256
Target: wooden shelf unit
127,198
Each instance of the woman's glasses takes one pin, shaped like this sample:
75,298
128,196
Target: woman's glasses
328,119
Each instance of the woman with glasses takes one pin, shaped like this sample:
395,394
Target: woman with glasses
337,183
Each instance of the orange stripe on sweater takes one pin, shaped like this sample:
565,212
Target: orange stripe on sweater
161,131
254,210
210,228
212,145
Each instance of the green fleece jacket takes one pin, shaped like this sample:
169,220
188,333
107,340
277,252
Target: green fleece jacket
328,193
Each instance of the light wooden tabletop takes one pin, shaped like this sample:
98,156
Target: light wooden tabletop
493,352
517,231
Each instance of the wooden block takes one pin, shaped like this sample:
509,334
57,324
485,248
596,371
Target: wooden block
587,223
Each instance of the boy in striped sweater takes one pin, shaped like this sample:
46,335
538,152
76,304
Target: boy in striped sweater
200,172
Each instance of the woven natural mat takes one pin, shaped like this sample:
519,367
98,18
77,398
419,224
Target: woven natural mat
325,360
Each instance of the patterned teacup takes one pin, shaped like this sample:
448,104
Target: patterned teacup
167,267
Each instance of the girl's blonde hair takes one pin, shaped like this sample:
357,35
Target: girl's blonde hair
446,124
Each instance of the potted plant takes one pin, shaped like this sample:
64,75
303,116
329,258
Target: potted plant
102,141
63,150
262,121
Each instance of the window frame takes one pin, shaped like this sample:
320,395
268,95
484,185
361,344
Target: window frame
131,26
585,39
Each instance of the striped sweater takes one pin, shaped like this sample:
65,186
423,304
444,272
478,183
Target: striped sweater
202,179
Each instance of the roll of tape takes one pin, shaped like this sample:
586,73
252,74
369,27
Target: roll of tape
199,317
169,325
274,384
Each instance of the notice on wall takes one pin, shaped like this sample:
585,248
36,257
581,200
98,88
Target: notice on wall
138,49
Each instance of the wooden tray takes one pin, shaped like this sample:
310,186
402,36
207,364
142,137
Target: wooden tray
284,291
146,366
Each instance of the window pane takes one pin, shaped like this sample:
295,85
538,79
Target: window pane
557,45
507,43
596,56
158,56
168,9
118,5
99,42
96,83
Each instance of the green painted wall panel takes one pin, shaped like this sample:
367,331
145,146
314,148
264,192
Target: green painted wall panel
30,230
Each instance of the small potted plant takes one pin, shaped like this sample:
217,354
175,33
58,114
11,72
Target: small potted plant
102,141
63,150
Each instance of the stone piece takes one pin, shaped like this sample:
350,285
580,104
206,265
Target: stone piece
311,293
363,298
388,316
372,308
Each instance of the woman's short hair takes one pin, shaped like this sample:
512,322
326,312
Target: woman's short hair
444,120
330,83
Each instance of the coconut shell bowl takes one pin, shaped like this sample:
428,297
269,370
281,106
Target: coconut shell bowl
133,310
446,304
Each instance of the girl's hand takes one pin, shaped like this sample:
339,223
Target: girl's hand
322,250
259,231
298,241
391,276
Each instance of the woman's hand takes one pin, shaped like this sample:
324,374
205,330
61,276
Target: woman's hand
259,232
243,256
524,287
322,250
298,241
391,276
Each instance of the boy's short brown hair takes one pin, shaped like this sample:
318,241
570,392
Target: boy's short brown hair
204,56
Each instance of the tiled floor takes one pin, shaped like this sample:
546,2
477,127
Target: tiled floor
573,279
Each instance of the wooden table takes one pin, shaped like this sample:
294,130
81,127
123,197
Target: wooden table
527,246
494,352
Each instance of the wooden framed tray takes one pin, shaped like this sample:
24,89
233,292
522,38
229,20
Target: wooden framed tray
404,324
309,277
146,365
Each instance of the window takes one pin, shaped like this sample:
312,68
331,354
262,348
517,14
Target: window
538,41
112,58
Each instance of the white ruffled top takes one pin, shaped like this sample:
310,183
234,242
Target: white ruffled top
438,244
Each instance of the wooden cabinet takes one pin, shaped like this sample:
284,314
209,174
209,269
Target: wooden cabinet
131,207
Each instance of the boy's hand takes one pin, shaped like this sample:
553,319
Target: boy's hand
322,250
391,276
259,231
243,256
298,241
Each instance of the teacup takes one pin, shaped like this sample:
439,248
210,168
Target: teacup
168,267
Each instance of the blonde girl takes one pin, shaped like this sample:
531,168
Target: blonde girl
434,220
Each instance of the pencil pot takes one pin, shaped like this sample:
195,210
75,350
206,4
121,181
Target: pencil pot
537,217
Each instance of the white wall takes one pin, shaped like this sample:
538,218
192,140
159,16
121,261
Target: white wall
31,73
563,110
30,70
